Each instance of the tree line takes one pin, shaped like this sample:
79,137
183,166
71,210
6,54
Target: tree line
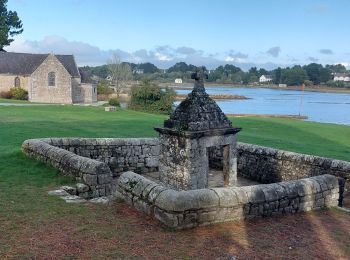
311,74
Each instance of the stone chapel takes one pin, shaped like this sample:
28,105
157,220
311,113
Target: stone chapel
48,78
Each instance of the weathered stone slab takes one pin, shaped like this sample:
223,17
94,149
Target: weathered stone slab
73,199
59,192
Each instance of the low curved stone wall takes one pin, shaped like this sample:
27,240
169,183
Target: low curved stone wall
263,164
267,165
98,162
186,209
95,174
140,155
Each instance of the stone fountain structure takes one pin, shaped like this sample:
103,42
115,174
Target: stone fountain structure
196,125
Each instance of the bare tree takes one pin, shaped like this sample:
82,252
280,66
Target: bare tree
120,72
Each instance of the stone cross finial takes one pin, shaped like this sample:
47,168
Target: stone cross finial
199,77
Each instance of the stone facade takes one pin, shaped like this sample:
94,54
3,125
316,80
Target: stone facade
83,92
8,81
184,162
89,92
187,209
40,91
32,71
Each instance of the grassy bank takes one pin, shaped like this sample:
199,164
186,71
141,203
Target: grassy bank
34,225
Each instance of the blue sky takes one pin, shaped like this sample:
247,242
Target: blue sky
245,33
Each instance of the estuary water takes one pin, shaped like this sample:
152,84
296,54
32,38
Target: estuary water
317,106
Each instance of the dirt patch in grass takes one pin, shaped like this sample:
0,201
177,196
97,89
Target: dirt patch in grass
119,231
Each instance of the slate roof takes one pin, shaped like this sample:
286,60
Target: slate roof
86,77
69,63
198,112
27,63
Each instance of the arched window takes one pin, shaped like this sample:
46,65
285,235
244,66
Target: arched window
17,82
51,78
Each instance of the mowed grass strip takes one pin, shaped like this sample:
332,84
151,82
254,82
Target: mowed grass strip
34,225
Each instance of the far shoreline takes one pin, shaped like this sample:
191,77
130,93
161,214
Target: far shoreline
316,88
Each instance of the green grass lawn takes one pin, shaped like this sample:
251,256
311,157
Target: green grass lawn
5,100
25,208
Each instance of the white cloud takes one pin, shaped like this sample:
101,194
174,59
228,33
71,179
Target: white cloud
236,57
85,53
162,56
344,63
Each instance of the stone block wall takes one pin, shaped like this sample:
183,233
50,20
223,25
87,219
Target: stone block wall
140,155
184,163
90,92
187,209
77,91
95,174
83,92
268,165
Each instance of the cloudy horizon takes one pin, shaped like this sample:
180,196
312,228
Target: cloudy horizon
244,40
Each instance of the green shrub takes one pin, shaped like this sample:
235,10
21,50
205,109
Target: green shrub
338,84
6,94
308,83
103,88
114,102
150,97
19,93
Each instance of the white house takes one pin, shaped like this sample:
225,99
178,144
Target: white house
178,81
138,71
265,78
341,77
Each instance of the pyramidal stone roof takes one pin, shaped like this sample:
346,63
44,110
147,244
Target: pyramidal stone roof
198,112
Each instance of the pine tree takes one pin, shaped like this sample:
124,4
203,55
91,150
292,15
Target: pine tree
10,25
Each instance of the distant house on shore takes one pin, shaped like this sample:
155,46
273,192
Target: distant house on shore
341,77
48,78
265,78
178,81
138,71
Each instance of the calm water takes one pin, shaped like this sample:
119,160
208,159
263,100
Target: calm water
318,106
